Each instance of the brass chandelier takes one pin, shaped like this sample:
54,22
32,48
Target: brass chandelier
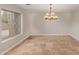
51,14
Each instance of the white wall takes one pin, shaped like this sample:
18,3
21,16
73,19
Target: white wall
74,29
8,43
68,23
38,25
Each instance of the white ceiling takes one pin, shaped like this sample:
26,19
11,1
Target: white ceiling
45,7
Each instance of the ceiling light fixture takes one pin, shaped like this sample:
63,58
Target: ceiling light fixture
51,14
28,4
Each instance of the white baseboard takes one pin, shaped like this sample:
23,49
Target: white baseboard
25,36
48,34
75,37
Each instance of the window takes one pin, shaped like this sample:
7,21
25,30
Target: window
10,24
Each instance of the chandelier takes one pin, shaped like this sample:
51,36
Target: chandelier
51,14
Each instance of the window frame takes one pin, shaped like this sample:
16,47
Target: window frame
21,20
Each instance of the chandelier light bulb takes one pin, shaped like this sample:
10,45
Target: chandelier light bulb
47,14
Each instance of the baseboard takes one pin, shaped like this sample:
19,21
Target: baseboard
25,36
47,34
75,37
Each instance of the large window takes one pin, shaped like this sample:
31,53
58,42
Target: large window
10,24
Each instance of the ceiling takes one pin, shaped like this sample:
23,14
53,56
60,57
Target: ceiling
45,7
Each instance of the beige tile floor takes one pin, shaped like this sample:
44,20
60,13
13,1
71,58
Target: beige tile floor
47,45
